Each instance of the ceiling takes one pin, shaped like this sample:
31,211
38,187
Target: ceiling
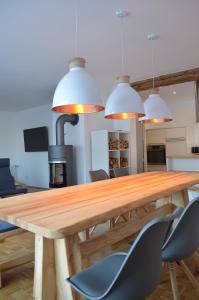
176,92
37,40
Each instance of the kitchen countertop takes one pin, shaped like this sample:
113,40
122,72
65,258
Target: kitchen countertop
186,156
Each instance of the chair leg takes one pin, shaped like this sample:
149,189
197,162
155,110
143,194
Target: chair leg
112,223
172,274
87,234
0,280
189,274
145,209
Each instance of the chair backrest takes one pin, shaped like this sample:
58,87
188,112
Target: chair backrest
184,238
141,270
98,175
118,172
6,179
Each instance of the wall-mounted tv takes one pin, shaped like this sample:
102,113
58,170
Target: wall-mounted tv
36,139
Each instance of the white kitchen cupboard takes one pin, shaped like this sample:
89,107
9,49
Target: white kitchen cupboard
176,132
162,135
155,136
110,149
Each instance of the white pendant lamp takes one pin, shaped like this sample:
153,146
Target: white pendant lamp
77,92
124,102
156,109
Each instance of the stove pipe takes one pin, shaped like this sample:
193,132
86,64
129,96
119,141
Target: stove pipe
72,119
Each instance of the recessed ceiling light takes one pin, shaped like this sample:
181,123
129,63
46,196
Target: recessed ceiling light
151,36
121,13
174,92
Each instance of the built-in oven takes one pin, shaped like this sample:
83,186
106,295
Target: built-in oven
156,154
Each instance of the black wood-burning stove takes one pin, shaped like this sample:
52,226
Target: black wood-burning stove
60,159
60,156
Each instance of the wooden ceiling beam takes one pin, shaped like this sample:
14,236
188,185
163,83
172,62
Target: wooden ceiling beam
169,79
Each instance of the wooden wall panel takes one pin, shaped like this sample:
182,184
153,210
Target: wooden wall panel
169,79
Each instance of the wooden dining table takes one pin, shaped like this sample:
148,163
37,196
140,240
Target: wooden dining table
58,216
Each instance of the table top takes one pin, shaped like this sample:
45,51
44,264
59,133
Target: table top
185,156
60,212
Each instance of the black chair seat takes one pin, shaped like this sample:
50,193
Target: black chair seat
95,280
131,276
13,192
98,175
183,241
4,227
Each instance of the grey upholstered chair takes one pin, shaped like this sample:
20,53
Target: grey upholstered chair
131,276
118,172
182,242
7,188
98,175
7,185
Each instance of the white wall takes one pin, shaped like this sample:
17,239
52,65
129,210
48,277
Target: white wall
93,122
80,137
75,135
33,166
182,106
183,113
8,136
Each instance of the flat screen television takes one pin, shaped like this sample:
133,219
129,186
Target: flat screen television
36,139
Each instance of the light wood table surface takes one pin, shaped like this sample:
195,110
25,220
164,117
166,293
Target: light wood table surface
57,216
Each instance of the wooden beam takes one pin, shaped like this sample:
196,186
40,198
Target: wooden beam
197,100
169,79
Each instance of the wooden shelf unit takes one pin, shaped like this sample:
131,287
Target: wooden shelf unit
107,147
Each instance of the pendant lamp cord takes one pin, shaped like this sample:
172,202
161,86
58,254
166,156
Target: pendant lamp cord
153,62
122,46
76,28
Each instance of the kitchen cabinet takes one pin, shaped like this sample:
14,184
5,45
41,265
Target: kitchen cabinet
155,136
161,136
175,132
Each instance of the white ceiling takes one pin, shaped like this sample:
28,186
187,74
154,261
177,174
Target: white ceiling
176,92
37,40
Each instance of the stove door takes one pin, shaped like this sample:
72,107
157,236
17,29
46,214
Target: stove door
58,176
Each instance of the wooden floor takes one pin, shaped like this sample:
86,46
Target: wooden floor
17,285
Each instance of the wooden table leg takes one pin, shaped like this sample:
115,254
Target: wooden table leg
185,197
180,199
68,261
44,278
55,260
